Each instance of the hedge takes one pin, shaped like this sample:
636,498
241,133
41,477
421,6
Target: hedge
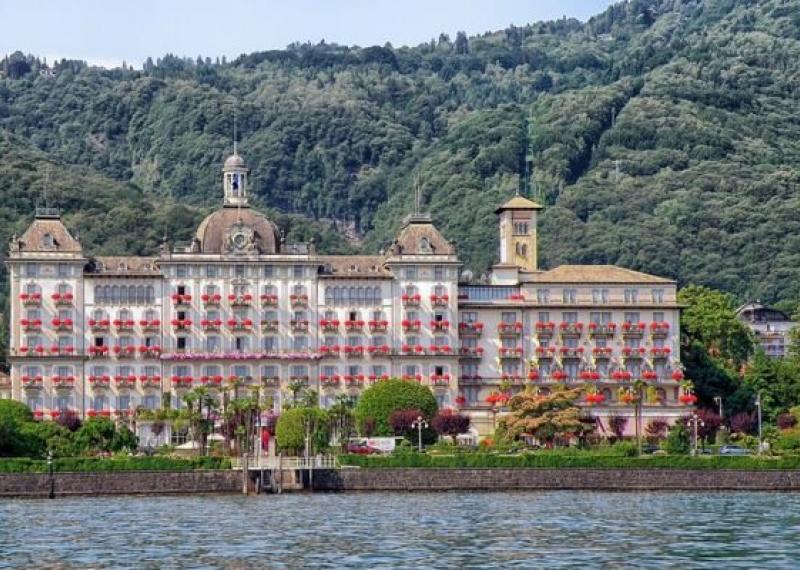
84,464
549,460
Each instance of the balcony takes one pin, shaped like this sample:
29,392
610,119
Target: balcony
181,381
56,350
330,350
329,381
378,349
471,352
545,352
659,329
471,379
128,351
440,349
31,325
213,381
209,325
329,325
412,377
602,352
567,352
150,325
269,300
123,326
509,329
153,351
533,375
150,381
63,381
378,326
602,329
505,353
512,378
211,300
470,328
242,325
621,375
375,378
243,300
411,300
270,381
440,300
100,325
589,375
270,326
32,381
354,326
411,326
633,353
98,351
63,325
412,349
35,351
440,379
353,351
181,324
571,329
92,413
299,325
545,329
298,380
31,299
558,376
440,326
649,375
354,381
99,381
660,353
181,300
633,329
126,382
62,299
298,300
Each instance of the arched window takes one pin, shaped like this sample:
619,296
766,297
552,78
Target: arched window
150,315
328,295
376,295
99,294
360,294
48,241
123,295
115,294
124,315
150,294
140,295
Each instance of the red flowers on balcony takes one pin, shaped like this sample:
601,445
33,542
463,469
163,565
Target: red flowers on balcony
378,349
545,351
633,328
440,300
543,328
354,351
497,399
378,326
99,325
62,299
410,300
31,324
575,329
513,378
630,352
100,381
375,377
514,352
126,325
120,350
299,325
62,324
593,399
98,351
660,352
125,381
533,375
332,380
150,325
659,328
31,299
473,351
602,351
32,381
649,375
600,329
211,380
466,328
242,300
332,350
181,299
63,380
589,375
153,350
269,300
628,398
298,300
182,324
558,375
516,297
150,381
353,325
211,298
413,349
687,399
440,326
571,352
354,380
509,328
440,349
440,379
240,324
411,326
677,375
56,350
329,325
211,324
181,381
412,377
271,326
621,375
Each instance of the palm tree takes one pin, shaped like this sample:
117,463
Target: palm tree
197,401
342,419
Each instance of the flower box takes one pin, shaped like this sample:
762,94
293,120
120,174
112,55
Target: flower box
663,352
63,381
244,300
211,325
602,352
470,328
440,349
270,381
121,325
32,381
545,351
602,329
354,381
440,300
439,326
621,375
412,349
181,299
504,352
100,381
378,349
571,329
211,299
533,375
31,324
181,381
268,300
31,299
509,328
353,351
513,378
630,352
150,381
471,351
240,325
329,325
412,377
299,325
589,375
125,381
440,379
558,375
659,328
270,326
353,325
687,399
332,350
151,325
98,351
329,381
631,329
182,324
410,300
378,326
545,328
649,375
298,300
411,326
593,399
677,375
62,299
298,379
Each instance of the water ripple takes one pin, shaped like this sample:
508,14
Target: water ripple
395,530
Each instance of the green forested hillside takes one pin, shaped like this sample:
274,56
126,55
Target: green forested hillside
663,135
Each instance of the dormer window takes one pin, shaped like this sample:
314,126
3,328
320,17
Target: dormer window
424,245
48,242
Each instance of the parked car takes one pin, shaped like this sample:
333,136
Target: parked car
649,448
361,449
731,449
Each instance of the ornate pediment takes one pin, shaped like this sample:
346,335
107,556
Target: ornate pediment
240,239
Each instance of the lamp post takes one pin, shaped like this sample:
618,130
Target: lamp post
51,481
696,421
760,434
419,423
718,401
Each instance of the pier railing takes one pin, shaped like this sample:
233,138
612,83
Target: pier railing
288,463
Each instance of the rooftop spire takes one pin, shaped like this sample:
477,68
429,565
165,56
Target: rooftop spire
234,130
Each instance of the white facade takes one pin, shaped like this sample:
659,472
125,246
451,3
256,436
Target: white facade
238,306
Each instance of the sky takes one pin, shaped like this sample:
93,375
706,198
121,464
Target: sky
108,32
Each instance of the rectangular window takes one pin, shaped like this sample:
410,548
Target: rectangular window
212,271
300,343
180,271
410,272
269,343
543,317
658,317
63,270
569,317
543,296
569,296
469,317
31,270
600,296
438,273
632,318
508,317
297,271
600,318
631,296
658,296
269,271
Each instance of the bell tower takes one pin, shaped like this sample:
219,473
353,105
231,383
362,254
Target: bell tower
518,238
234,179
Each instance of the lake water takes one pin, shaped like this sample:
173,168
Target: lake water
387,530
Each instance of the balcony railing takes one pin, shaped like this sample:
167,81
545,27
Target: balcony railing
440,300
62,324
509,328
353,351
440,379
659,329
298,325
378,326
270,381
244,300
300,300
410,300
329,325
211,325
660,352
330,350
125,381
32,381
545,328
633,329
329,381
63,381
377,349
31,325
124,326
150,381
571,329
182,324
471,351
509,353
269,326
31,299
440,326
440,349
470,328
602,329
181,299
211,299
354,381
99,325
411,326
570,352
353,326
269,300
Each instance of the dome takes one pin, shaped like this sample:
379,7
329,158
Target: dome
238,230
234,161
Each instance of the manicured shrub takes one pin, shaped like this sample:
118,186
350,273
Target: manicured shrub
84,464
290,430
448,422
378,402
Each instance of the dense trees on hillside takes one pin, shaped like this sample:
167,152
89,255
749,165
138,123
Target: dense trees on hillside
661,135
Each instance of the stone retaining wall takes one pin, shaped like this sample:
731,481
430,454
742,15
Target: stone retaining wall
121,483
353,479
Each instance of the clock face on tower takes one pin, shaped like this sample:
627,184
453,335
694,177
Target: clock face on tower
239,240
